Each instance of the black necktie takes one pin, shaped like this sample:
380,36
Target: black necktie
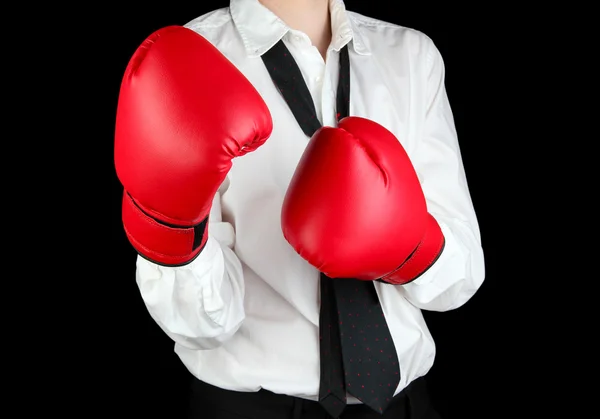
357,352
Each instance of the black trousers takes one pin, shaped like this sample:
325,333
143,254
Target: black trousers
209,402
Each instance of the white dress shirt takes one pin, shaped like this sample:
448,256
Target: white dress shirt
245,314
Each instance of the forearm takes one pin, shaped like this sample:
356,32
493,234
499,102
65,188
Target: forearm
458,273
199,305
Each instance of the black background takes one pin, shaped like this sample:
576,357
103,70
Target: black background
134,369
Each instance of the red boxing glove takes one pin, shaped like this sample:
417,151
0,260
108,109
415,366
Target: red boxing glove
355,207
184,113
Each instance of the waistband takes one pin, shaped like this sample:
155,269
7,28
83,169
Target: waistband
206,398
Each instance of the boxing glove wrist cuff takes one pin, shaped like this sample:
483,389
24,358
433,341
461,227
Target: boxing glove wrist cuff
161,242
422,258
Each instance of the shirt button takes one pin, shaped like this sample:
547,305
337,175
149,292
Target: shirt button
318,79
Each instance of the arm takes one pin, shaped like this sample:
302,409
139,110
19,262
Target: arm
460,270
199,305
172,155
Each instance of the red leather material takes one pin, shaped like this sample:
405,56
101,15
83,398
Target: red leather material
157,241
355,207
184,112
424,256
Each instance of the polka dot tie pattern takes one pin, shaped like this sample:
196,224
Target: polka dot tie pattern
371,367
332,390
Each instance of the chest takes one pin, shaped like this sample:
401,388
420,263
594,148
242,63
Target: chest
378,92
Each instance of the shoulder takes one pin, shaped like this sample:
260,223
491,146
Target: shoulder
211,25
385,38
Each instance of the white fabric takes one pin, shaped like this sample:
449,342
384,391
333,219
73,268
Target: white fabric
244,315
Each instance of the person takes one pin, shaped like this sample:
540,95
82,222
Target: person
294,188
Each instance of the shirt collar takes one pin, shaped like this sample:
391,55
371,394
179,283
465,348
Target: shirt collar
260,28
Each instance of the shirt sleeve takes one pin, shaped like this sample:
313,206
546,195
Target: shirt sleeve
199,305
460,270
